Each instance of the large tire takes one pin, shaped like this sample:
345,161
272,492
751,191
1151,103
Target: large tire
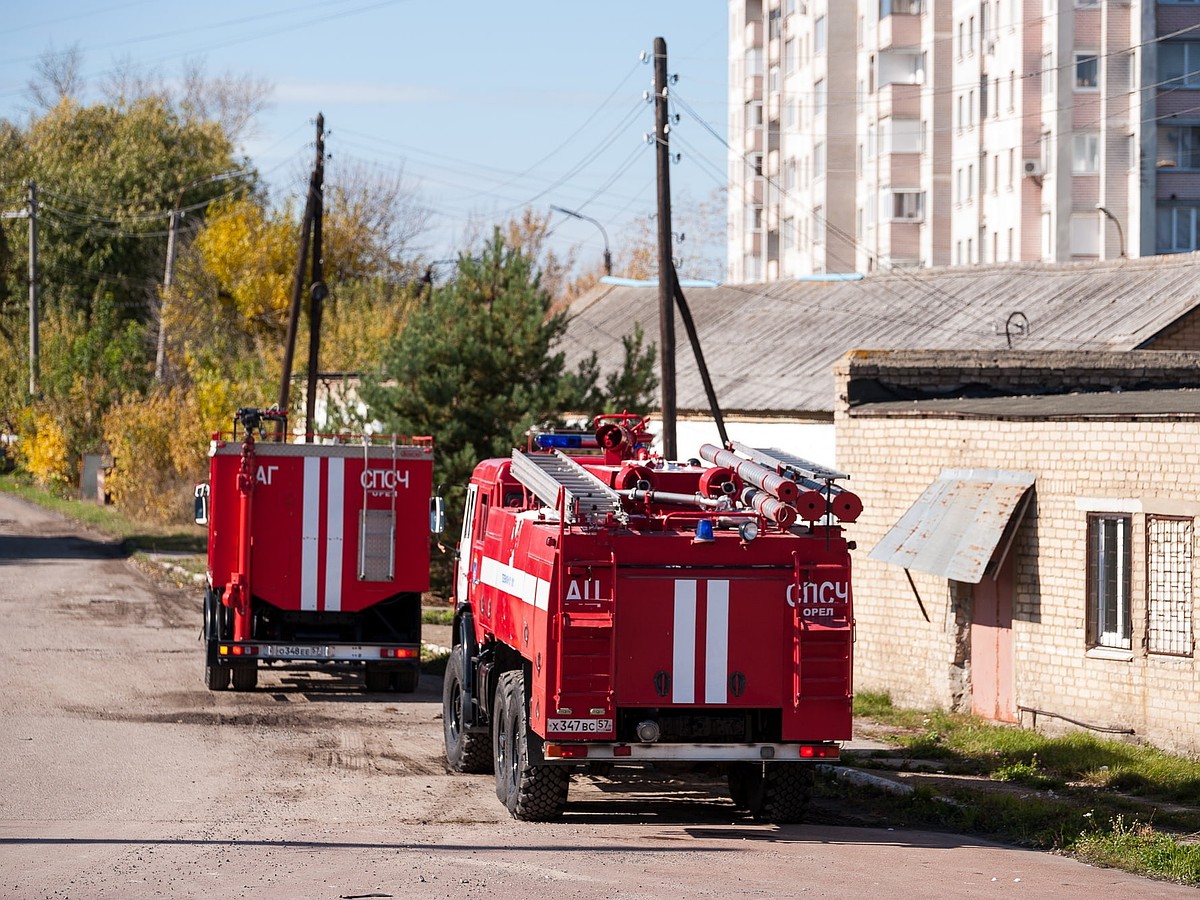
406,679
216,676
786,790
465,752
532,792
744,779
245,678
377,678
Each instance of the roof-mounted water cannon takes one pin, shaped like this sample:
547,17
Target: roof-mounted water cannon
622,436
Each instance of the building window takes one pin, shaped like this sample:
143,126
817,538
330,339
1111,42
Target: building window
1085,234
1169,542
1087,71
1085,153
1179,64
901,135
900,7
908,206
1179,147
1108,577
1176,229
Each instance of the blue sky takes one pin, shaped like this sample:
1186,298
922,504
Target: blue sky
486,107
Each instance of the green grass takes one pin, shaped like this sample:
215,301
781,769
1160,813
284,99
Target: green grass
111,522
437,615
1114,803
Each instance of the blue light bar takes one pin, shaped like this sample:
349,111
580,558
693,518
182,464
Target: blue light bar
565,441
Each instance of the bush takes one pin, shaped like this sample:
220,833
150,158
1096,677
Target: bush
41,450
158,452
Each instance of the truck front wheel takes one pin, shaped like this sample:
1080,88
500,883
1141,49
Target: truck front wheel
465,752
531,792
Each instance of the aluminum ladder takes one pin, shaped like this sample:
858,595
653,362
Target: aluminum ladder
545,474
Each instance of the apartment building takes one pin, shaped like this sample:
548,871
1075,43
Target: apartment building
875,134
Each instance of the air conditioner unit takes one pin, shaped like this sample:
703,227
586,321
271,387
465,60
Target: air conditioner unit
1031,168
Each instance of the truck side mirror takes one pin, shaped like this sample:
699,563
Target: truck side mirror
202,504
437,515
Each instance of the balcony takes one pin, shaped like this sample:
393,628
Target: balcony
754,33
900,101
899,31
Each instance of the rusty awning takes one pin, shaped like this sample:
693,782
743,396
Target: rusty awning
955,526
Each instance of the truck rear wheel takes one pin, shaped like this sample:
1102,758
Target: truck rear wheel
245,678
783,796
406,679
465,752
376,678
216,678
531,792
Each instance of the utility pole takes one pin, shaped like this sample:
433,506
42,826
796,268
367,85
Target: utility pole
160,356
318,291
666,308
33,290
306,223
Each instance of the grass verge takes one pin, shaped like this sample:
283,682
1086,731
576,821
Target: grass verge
111,522
1128,806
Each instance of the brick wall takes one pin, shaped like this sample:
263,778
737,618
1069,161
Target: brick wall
1142,466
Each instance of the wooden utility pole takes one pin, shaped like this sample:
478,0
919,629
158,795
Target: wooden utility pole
666,307
33,290
318,291
306,224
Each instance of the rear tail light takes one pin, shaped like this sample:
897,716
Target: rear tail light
398,653
820,751
569,751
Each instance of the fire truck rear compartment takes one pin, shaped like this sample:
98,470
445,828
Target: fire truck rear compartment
396,620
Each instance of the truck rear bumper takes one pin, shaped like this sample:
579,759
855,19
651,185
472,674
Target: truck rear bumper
561,751
231,651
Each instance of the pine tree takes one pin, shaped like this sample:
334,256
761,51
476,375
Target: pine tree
475,367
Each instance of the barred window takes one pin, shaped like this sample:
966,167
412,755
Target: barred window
1169,543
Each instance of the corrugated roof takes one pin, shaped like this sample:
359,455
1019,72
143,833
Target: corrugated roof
955,525
771,347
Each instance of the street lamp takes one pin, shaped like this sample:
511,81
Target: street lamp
575,215
1115,221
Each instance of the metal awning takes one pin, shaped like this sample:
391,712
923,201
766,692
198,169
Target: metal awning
955,526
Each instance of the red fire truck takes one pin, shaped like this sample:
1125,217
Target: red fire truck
618,609
317,553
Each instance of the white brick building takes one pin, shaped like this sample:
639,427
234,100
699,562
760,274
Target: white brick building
870,134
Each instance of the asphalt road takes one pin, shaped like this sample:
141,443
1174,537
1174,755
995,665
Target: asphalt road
123,777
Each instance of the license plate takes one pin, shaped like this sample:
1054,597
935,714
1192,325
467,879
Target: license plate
579,726
284,651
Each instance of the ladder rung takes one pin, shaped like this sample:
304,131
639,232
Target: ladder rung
547,473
